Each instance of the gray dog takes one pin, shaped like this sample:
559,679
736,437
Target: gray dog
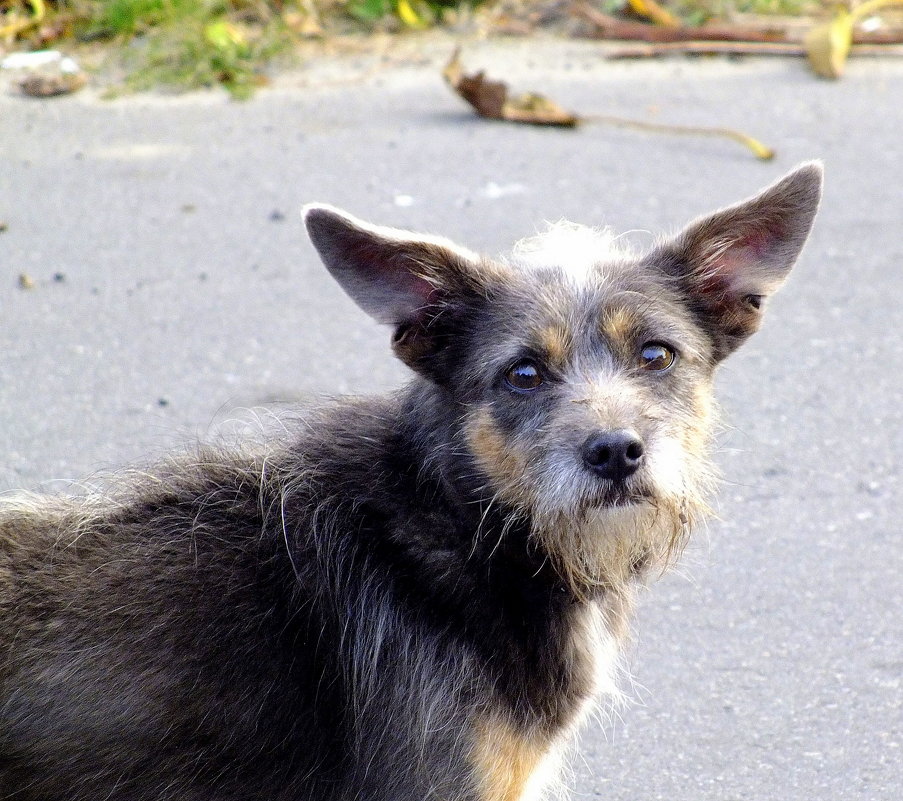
411,598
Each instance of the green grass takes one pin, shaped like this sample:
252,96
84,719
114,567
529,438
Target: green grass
205,49
188,44
131,17
191,44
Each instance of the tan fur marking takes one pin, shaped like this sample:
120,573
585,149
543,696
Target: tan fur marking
505,759
501,459
555,342
618,325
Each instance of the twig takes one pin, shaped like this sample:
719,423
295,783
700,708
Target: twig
696,48
608,27
761,151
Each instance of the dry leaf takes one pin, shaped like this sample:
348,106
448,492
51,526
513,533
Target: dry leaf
828,44
490,99
303,24
20,25
653,11
537,110
224,35
414,13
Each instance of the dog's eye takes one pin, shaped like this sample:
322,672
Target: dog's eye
524,376
656,357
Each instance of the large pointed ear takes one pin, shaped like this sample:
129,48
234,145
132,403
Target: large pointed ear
398,278
731,261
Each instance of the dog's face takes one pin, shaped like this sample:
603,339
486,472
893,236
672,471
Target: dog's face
578,375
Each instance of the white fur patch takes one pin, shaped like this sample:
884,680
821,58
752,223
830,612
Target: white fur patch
666,462
577,249
550,779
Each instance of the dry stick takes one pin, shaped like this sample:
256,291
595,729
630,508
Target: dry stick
608,27
761,152
696,48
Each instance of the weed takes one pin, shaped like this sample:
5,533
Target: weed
188,44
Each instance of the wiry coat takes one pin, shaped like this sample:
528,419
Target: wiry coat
308,625
408,598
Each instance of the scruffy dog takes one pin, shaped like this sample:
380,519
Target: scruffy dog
413,598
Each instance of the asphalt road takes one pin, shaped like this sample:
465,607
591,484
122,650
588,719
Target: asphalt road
173,287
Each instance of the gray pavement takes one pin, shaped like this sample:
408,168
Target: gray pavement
174,288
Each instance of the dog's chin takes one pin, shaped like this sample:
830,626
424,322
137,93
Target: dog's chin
610,495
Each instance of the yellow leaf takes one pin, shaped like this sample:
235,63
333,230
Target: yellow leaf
828,44
410,17
653,11
224,35
18,26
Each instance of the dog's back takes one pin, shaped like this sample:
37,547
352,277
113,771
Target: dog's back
147,642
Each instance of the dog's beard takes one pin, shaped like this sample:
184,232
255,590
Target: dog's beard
603,536
606,548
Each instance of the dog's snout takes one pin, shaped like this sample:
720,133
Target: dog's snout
614,455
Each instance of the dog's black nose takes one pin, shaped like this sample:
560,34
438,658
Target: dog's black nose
613,454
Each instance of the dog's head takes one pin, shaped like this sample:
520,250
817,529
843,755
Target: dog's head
579,374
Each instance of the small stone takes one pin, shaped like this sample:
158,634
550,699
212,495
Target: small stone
26,281
39,85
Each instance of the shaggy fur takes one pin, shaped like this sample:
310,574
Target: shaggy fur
407,598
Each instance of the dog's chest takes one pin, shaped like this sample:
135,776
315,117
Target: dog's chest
516,762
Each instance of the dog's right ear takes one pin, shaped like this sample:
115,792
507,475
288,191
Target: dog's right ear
398,278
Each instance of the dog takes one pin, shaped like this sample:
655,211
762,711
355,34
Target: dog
409,598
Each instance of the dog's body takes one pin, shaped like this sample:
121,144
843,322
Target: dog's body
412,598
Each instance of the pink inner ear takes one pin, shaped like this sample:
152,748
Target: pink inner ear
379,275
419,288
744,264
758,240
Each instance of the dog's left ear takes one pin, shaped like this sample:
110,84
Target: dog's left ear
399,278
729,262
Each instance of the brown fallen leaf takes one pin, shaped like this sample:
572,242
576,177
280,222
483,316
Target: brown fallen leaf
828,44
490,99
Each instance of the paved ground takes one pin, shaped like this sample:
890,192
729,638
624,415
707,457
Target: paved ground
173,285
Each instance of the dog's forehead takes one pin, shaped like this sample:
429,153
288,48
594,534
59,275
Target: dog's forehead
570,253
564,288
571,274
